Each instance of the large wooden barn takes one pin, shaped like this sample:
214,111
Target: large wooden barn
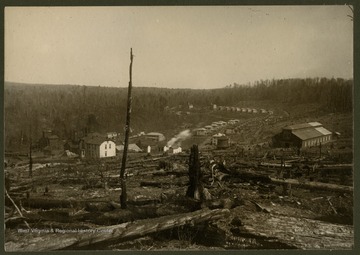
302,135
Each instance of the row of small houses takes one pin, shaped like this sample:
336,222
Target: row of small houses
239,109
208,129
220,140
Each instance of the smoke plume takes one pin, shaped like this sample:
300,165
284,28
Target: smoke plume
179,137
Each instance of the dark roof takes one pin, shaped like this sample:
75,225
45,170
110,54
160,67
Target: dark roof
72,144
95,140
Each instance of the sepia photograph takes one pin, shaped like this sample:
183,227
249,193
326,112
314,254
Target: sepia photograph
178,128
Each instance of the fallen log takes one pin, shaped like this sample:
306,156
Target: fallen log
17,208
154,184
296,232
46,203
164,184
173,172
314,185
63,239
278,165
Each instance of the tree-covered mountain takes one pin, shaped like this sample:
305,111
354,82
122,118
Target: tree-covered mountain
30,108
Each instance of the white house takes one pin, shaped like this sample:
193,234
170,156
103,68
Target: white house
98,147
200,131
175,149
215,137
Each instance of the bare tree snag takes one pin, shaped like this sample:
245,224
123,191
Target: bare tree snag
195,189
123,196
30,158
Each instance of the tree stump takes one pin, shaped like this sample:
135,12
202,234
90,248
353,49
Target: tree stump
195,189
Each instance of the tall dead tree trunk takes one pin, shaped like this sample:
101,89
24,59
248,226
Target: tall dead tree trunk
123,195
195,189
30,159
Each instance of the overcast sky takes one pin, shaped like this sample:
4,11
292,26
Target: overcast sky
176,47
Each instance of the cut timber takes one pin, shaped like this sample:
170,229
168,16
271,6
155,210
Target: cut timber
121,232
300,233
315,185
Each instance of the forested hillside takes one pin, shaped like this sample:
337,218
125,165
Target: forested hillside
30,108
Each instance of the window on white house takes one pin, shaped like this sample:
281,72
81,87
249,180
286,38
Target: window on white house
109,145
105,153
105,146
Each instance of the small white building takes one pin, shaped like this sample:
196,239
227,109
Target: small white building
111,135
215,137
98,147
209,128
199,131
176,150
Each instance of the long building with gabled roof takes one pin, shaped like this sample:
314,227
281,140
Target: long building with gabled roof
302,135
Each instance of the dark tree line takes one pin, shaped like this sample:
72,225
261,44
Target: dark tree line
65,109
